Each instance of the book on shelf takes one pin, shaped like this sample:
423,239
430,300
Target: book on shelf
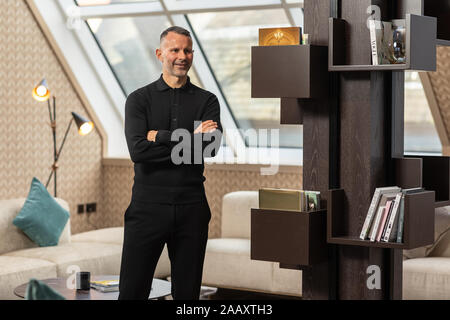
312,200
289,199
373,209
386,213
386,199
376,223
390,232
402,212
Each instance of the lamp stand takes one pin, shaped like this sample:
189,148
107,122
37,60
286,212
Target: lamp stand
56,152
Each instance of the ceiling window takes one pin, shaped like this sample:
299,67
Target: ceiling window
226,39
83,3
129,45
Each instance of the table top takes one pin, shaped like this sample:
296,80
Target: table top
160,289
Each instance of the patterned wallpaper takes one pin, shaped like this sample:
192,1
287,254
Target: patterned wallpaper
26,146
220,179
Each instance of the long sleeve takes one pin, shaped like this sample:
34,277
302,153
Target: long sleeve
141,150
211,141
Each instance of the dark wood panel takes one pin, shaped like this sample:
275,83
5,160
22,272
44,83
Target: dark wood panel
419,220
408,172
397,122
291,238
421,42
318,282
395,276
301,73
291,111
357,33
363,152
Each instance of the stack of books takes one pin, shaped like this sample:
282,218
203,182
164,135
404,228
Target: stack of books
384,220
288,199
106,285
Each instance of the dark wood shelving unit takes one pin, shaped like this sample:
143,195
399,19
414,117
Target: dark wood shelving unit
418,222
294,239
353,131
300,73
420,46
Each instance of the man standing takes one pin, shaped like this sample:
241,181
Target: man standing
168,202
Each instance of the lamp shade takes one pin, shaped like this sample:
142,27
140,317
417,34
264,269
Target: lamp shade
41,92
84,125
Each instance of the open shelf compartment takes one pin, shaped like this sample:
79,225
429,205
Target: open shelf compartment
295,71
420,46
418,228
436,177
291,238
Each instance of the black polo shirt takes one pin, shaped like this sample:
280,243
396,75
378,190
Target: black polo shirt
159,107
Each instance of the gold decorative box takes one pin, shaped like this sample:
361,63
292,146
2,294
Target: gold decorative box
280,36
282,199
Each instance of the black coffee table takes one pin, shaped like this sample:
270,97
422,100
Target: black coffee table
160,289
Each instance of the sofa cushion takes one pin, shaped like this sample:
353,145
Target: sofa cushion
41,218
442,247
236,208
15,271
11,237
286,281
441,228
115,236
106,235
227,264
97,258
426,279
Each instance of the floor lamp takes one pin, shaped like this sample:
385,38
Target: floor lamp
85,126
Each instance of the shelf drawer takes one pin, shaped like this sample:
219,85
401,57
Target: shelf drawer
288,237
297,71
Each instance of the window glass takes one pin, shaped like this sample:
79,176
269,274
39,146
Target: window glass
420,131
129,45
85,3
227,38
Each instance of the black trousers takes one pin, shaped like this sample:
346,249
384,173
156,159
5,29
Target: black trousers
148,226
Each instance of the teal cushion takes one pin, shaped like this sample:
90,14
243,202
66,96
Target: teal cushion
41,218
38,290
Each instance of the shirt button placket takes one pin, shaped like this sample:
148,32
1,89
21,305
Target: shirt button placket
174,113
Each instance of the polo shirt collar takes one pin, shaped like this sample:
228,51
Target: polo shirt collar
161,85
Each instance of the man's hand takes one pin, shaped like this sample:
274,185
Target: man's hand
206,126
151,135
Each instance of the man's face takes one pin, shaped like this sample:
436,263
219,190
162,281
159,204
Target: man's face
176,54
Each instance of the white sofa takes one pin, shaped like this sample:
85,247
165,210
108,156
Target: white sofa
228,263
98,252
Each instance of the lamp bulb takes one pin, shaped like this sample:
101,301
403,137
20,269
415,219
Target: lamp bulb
86,128
41,91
